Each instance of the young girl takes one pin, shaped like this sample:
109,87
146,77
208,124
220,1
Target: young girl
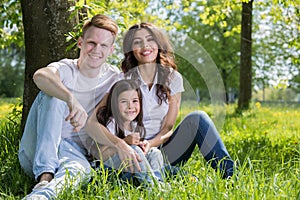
123,117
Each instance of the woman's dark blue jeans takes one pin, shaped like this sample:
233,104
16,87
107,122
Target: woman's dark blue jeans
198,128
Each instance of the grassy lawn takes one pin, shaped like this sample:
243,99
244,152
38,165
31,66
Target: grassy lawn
264,142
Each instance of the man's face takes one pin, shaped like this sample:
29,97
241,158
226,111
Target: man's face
95,47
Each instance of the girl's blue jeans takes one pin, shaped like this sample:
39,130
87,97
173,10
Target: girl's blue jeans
43,150
146,175
198,129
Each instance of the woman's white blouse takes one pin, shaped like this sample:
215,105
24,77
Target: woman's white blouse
153,112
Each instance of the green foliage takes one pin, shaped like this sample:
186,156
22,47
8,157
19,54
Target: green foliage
11,27
135,12
11,49
11,73
215,25
264,141
276,42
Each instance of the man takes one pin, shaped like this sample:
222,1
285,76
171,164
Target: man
51,148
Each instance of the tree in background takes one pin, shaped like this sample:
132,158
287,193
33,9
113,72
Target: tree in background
246,57
46,24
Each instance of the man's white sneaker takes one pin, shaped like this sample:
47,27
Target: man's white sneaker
35,197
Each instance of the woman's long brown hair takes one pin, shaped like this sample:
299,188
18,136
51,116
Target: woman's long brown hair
165,58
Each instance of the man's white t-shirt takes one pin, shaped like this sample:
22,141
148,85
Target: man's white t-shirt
88,91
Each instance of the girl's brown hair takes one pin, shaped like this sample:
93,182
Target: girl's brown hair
111,109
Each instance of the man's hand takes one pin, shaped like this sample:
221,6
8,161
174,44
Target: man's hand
128,156
77,115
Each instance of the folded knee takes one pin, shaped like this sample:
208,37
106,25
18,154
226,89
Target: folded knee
196,116
137,149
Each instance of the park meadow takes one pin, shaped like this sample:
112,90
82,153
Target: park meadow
264,142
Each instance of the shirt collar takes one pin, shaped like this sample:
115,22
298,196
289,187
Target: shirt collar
143,82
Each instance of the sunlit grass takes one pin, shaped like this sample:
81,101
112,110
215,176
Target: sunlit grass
264,142
7,105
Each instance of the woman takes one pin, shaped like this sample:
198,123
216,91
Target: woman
149,59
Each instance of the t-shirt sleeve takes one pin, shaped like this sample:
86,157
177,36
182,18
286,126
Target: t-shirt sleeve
176,82
64,69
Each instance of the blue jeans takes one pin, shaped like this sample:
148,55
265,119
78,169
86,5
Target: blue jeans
43,150
147,174
198,129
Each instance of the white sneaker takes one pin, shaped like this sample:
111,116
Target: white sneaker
35,197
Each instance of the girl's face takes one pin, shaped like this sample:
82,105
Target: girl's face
129,105
145,48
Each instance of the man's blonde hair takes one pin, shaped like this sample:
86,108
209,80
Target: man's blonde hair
101,21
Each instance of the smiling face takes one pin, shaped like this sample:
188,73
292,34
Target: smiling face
95,47
129,106
145,48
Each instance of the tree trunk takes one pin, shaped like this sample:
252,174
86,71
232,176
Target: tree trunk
245,59
45,25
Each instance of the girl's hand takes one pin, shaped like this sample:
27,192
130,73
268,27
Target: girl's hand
133,139
145,146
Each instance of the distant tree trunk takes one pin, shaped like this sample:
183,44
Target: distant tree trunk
245,59
45,24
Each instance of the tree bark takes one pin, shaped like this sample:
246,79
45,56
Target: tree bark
45,24
245,58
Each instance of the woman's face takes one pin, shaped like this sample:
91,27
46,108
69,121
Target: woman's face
145,48
129,105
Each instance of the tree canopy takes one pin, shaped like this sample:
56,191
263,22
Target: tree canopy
215,25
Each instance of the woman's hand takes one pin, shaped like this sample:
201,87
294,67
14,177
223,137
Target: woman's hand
133,139
145,146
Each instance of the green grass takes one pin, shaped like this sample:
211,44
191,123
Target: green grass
264,141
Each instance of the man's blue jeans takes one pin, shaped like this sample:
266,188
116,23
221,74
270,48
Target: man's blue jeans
43,150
